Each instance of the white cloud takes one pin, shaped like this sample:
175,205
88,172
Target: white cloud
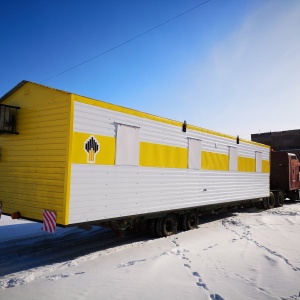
252,80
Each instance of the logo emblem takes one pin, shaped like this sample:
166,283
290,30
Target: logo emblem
91,147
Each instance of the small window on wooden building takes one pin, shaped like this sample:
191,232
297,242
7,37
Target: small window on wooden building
127,145
194,161
8,119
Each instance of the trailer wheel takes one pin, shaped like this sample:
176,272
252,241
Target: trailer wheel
279,199
167,225
269,202
190,220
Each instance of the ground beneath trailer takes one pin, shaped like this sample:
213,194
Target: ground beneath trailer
238,255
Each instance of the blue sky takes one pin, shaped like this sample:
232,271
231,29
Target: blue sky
230,65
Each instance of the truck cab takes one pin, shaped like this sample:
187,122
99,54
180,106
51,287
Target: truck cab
285,174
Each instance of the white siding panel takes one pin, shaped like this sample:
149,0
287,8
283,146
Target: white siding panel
103,192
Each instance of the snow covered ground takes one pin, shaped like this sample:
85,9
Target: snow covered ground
238,255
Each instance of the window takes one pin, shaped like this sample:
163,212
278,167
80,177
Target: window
258,161
128,145
194,161
8,119
233,158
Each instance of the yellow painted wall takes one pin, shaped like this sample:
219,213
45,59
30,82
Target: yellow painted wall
246,164
265,166
162,156
214,161
33,164
156,155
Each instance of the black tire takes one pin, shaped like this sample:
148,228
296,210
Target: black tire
269,202
279,199
190,220
166,226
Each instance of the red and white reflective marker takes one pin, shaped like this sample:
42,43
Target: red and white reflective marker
49,222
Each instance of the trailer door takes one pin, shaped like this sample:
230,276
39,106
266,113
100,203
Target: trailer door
294,171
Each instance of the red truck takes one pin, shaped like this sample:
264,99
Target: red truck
284,176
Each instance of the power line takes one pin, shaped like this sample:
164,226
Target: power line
128,41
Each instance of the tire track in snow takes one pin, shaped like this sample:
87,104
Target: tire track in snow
247,235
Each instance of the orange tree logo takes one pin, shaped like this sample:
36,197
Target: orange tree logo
91,146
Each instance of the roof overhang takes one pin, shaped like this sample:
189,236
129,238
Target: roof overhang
13,90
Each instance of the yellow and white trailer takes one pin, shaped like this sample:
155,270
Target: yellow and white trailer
93,162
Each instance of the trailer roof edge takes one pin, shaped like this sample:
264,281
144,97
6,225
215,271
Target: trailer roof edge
133,112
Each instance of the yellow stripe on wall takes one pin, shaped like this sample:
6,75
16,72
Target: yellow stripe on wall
157,155
214,161
265,166
162,156
246,164
105,154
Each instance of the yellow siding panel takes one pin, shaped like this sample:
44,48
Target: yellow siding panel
34,166
35,115
162,156
215,161
246,164
33,124
266,166
21,140
31,212
32,95
67,179
34,153
20,198
38,193
36,176
33,163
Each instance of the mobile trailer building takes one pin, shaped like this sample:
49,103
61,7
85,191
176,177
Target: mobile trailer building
87,160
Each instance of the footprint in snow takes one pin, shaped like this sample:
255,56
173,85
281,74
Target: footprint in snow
59,276
216,297
130,263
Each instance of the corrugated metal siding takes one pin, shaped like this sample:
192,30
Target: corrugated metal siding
95,120
33,163
99,192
